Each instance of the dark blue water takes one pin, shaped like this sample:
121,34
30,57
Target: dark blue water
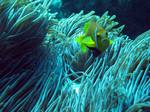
135,14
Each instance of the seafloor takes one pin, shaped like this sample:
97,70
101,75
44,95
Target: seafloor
42,68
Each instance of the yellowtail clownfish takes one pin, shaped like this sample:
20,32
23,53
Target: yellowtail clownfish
95,38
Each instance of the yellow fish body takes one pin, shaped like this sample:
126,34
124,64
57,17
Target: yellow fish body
95,37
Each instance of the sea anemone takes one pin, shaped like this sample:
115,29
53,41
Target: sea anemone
114,82
42,68
24,56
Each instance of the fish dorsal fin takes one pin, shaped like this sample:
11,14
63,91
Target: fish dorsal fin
101,31
86,26
88,41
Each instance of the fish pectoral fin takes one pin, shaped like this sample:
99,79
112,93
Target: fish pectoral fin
110,42
83,48
88,41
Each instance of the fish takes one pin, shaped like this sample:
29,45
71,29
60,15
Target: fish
94,37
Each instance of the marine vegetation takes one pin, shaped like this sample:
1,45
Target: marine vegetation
48,64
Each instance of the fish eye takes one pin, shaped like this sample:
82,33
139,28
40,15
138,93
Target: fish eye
105,41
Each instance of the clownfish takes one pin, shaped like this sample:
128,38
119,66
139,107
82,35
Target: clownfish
95,38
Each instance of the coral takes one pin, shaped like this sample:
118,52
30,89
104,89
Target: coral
43,69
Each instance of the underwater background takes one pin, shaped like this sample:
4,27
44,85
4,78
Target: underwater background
135,14
74,56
